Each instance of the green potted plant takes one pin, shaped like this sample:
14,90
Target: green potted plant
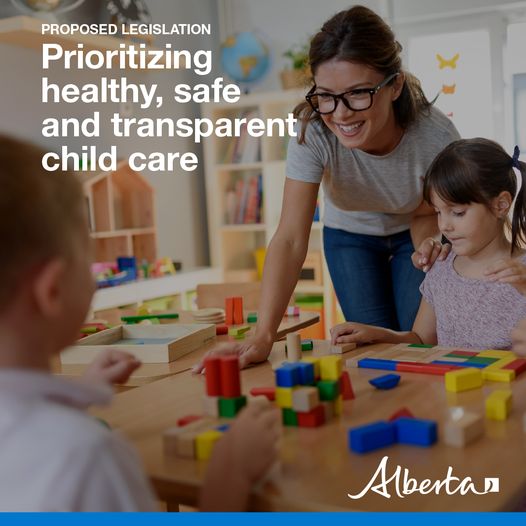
298,73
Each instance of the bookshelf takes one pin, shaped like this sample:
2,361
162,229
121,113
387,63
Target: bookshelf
232,165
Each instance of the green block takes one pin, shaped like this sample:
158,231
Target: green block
307,345
230,407
136,319
481,360
421,346
328,389
252,317
290,418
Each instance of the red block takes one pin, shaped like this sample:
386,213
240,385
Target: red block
401,413
425,368
213,375
185,420
238,311
519,366
269,392
229,311
314,418
221,329
463,353
346,386
230,376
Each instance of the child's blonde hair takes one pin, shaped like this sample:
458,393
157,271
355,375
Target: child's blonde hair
41,213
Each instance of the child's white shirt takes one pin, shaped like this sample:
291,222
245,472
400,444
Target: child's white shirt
55,457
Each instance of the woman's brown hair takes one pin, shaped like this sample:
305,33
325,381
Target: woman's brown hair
360,35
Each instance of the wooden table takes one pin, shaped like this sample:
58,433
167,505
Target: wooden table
150,372
317,468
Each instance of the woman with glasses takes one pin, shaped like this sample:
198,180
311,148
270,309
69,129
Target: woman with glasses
367,133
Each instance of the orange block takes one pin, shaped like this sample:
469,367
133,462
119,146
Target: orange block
238,311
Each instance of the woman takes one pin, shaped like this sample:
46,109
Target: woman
367,132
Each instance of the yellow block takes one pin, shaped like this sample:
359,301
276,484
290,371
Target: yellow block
338,405
496,354
501,363
498,405
204,443
498,375
315,362
463,380
284,397
331,368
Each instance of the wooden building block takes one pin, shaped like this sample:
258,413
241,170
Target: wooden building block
304,399
315,363
221,330
211,406
498,405
388,381
230,407
292,311
463,428
252,317
230,376
238,331
288,375
330,367
499,364
313,418
346,386
180,441
268,392
307,345
498,375
238,311
416,431
342,348
401,413
306,371
289,417
293,347
284,397
328,389
185,420
213,375
204,443
338,405
491,353
518,365
371,437
229,311
463,380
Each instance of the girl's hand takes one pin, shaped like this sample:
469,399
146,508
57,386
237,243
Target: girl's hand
429,251
518,338
351,332
510,271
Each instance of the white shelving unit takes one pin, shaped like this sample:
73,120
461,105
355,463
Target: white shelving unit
232,246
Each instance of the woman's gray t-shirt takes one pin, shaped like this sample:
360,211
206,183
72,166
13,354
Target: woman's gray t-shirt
364,193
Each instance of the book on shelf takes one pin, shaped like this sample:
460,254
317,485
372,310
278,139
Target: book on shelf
244,149
243,201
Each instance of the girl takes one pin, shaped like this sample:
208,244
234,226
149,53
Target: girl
477,295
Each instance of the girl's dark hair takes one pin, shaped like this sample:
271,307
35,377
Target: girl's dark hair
476,171
360,35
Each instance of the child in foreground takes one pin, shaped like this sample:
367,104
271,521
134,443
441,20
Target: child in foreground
476,296
54,456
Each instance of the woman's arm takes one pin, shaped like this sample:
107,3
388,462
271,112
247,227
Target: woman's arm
284,259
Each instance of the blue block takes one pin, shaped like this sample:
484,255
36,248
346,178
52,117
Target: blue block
387,381
306,373
288,375
223,428
372,363
462,364
415,431
372,436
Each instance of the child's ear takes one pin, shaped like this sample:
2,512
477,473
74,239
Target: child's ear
49,286
502,204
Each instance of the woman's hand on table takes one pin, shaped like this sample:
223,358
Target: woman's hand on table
251,350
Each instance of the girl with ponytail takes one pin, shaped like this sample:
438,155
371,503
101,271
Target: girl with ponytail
478,294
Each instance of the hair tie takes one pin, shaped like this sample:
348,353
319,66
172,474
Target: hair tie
515,158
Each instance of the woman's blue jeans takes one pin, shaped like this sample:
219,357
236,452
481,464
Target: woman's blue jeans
374,278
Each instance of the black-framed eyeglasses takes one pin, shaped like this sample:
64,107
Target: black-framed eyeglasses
358,99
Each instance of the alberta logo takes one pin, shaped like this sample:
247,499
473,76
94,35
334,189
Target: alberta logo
404,485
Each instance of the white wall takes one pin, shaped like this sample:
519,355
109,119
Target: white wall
180,196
